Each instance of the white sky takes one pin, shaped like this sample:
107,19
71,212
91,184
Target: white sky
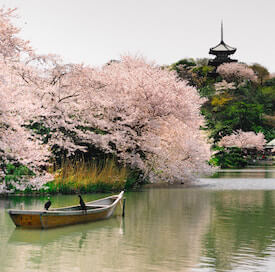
95,31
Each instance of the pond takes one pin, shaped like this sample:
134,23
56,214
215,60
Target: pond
225,223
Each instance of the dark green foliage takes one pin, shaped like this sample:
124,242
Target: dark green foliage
14,173
184,62
268,131
135,180
232,117
207,91
197,75
40,129
203,70
241,115
229,158
269,82
268,98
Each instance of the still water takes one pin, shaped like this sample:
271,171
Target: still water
219,224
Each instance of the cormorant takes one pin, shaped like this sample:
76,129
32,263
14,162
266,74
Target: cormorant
82,203
48,204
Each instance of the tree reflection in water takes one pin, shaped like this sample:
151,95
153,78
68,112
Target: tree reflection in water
172,229
242,228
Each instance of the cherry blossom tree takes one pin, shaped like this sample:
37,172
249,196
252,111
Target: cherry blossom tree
136,110
243,139
131,108
236,72
18,144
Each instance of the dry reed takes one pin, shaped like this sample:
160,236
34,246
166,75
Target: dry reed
86,176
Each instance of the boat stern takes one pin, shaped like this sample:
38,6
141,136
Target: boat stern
25,220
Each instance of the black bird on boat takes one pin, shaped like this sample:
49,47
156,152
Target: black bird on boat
48,204
82,203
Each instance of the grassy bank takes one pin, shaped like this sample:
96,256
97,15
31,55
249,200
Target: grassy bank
80,176
93,176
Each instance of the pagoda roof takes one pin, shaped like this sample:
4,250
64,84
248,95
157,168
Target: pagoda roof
222,47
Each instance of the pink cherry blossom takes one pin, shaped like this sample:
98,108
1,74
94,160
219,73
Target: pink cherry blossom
236,72
243,139
224,85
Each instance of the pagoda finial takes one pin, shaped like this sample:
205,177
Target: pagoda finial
221,31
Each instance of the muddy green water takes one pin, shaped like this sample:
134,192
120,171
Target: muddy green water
220,224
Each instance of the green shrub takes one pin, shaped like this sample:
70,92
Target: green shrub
232,157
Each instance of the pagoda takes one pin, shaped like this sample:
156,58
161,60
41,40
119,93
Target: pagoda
222,52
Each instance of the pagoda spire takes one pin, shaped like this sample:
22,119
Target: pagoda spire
221,31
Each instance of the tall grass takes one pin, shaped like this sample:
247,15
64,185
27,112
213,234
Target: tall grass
93,176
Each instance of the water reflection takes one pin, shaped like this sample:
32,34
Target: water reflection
167,227
248,173
242,230
220,226
43,237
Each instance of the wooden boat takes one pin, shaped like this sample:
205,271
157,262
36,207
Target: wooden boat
44,219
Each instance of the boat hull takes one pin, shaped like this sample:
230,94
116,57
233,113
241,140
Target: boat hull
66,216
26,220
